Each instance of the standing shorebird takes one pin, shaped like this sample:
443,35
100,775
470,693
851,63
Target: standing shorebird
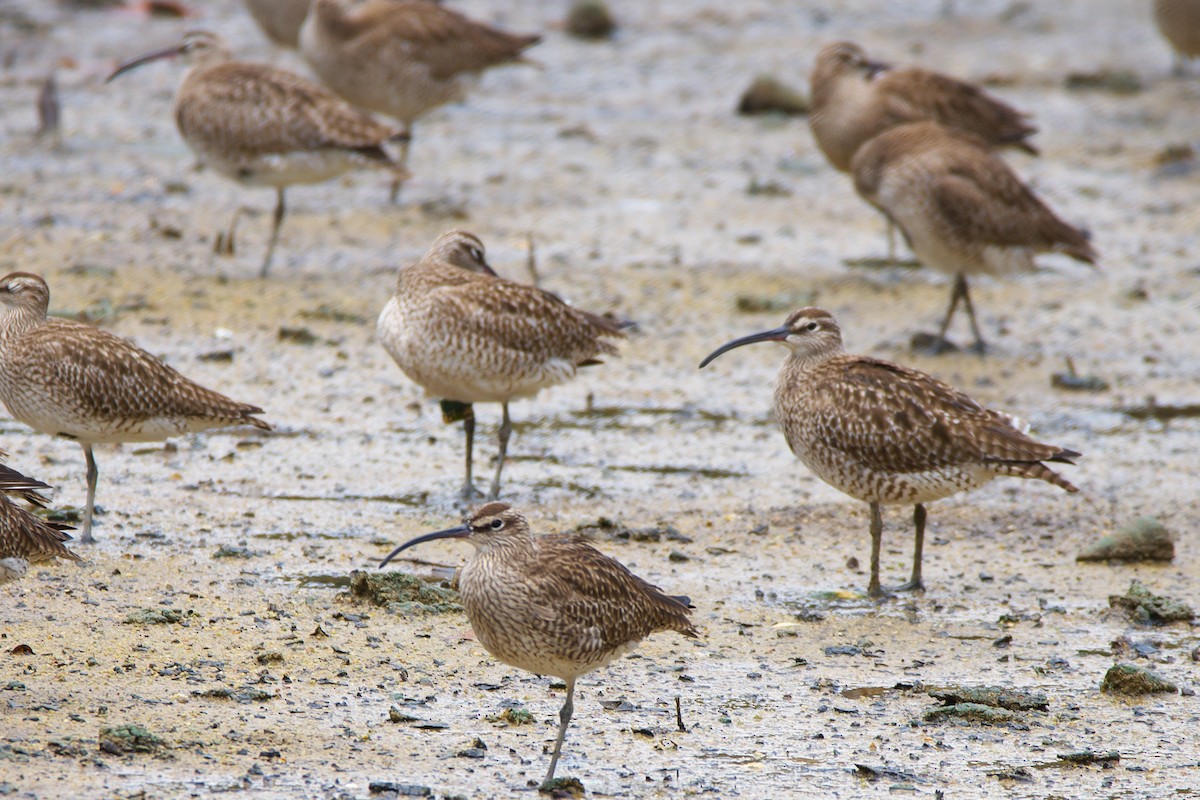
72,380
855,99
1179,23
262,126
553,605
24,538
280,20
402,59
962,210
467,336
886,434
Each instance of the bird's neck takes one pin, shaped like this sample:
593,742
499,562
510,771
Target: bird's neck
15,322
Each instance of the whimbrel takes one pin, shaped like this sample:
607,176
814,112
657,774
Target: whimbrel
962,209
1179,23
402,59
263,126
553,605
79,382
854,99
467,336
24,538
280,20
886,434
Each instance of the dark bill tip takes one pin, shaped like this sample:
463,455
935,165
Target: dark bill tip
461,532
774,335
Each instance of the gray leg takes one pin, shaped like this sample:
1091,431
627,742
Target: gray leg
224,245
397,182
891,239
468,489
915,583
873,588
92,475
280,208
505,431
564,719
980,346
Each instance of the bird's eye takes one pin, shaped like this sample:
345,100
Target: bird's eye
497,524
812,327
476,254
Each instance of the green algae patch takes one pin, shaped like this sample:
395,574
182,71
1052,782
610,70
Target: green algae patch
1151,609
154,616
130,739
399,591
1129,679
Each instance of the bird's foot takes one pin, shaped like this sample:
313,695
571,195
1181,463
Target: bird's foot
979,348
932,344
469,494
908,586
223,246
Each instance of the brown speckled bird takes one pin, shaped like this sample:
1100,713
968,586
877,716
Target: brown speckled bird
886,434
854,99
553,605
262,126
963,210
280,20
402,59
72,380
1179,23
24,538
467,336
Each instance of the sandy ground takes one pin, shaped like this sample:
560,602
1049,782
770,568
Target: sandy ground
625,162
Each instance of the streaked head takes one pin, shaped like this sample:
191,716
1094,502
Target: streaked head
493,525
462,249
24,290
196,47
808,332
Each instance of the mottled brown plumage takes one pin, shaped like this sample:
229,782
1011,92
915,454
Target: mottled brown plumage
69,379
886,434
553,605
467,336
962,209
280,20
263,126
24,538
1179,23
855,99
402,59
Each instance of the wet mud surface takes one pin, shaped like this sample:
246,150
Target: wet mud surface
211,643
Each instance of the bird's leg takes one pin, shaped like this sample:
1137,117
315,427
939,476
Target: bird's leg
980,346
280,208
891,240
873,588
453,411
564,719
92,475
224,245
941,344
397,182
505,431
915,583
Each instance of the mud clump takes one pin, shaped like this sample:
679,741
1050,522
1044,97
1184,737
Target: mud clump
993,696
1147,608
1144,539
1132,680
562,788
590,19
404,593
130,739
973,712
154,616
767,94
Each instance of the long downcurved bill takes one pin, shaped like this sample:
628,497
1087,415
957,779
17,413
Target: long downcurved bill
166,52
774,335
461,532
